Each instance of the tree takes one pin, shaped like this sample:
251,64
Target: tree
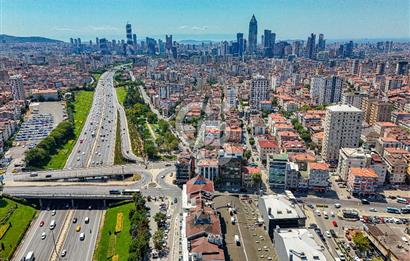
257,179
152,117
361,241
251,141
158,239
160,218
247,154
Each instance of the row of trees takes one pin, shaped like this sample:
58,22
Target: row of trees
139,230
39,156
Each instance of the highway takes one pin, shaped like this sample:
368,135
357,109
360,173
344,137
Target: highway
77,249
96,144
43,248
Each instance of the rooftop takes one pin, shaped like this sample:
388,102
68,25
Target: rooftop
343,108
281,208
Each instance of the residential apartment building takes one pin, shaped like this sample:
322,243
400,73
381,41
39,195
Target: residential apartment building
376,110
362,181
318,176
351,157
17,87
277,165
342,129
260,91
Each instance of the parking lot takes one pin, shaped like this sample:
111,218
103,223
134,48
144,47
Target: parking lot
255,243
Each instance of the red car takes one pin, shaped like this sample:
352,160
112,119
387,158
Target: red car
41,223
334,223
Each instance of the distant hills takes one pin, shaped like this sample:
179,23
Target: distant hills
4,38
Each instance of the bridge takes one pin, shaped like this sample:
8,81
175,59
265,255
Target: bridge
81,173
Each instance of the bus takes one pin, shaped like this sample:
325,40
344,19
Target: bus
393,210
402,200
29,256
130,191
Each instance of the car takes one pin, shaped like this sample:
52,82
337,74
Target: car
63,253
53,213
41,223
74,220
373,210
82,236
327,234
365,201
78,228
43,235
318,213
311,206
87,220
334,223
333,233
312,225
162,176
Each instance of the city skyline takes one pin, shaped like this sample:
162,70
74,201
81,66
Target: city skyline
190,21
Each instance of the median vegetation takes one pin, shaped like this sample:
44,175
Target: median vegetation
54,150
14,221
125,232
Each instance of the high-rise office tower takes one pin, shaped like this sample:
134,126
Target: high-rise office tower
134,39
128,30
79,41
253,35
321,45
269,43
168,43
71,41
241,45
355,67
310,47
259,91
348,49
342,129
17,87
97,42
402,68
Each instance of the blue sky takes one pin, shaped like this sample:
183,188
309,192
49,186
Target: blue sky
206,19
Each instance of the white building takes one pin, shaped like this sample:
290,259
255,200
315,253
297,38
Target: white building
332,90
342,129
230,97
297,245
351,157
17,87
259,92
316,84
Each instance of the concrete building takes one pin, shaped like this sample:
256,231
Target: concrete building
297,245
184,167
342,129
362,181
376,110
277,210
277,166
17,87
353,98
351,157
260,91
316,84
318,176
331,91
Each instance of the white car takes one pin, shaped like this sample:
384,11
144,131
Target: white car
82,236
327,234
43,235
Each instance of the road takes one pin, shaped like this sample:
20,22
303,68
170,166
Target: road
96,144
82,249
33,242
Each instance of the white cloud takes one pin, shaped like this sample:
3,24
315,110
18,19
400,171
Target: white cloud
193,28
87,29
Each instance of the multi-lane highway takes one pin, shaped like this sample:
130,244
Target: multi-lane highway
96,144
95,147
75,248
42,248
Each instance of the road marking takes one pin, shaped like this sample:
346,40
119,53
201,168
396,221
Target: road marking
240,234
62,235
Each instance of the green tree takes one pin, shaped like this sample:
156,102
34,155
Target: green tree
152,117
257,179
247,154
160,218
361,241
252,141
158,239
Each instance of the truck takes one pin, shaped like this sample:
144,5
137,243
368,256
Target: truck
233,220
237,241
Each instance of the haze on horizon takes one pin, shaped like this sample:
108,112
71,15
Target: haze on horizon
206,19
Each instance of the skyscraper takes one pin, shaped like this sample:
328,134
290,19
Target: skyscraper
253,35
269,43
134,39
310,46
241,48
128,31
321,45
342,129
168,43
